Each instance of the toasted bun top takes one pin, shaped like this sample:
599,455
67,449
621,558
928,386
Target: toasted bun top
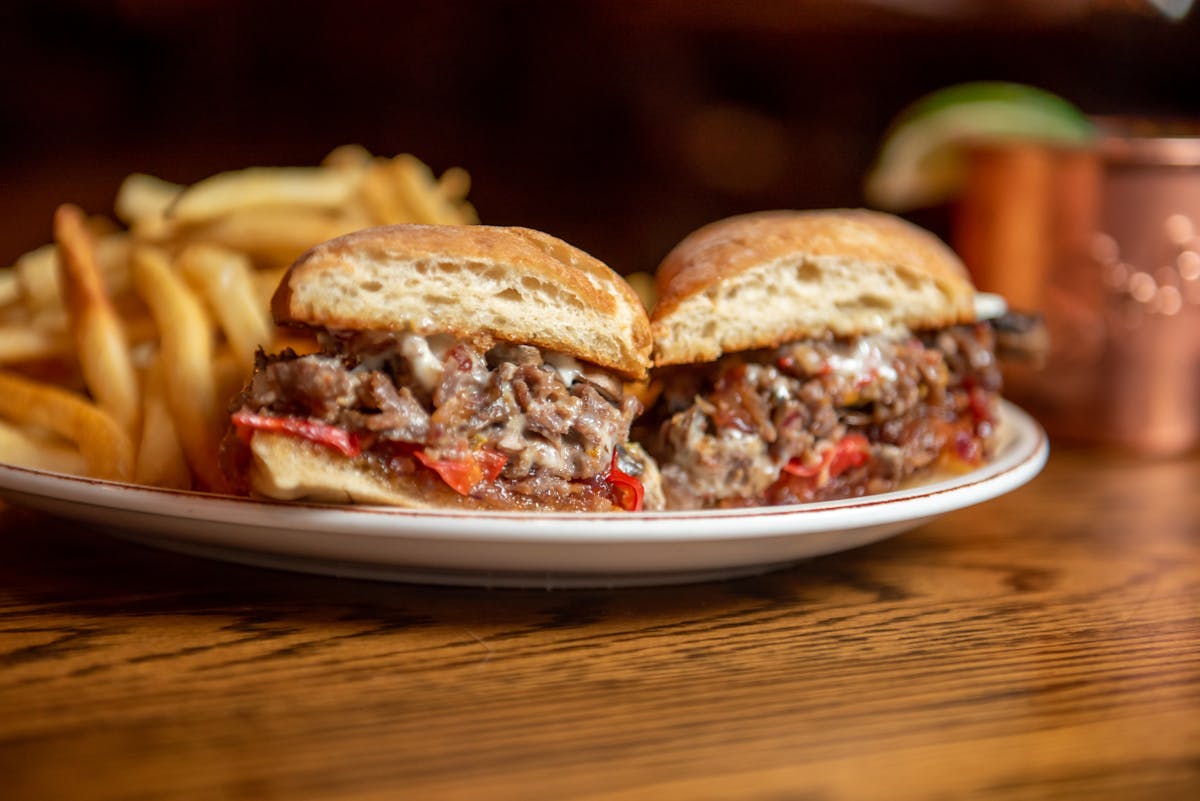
759,280
474,282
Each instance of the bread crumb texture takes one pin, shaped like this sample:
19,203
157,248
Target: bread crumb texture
761,280
508,284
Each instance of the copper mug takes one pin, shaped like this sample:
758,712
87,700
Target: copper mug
1104,241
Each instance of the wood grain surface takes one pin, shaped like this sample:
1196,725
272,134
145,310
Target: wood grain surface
1042,645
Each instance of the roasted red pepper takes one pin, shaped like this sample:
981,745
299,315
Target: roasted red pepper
850,451
247,422
464,475
627,491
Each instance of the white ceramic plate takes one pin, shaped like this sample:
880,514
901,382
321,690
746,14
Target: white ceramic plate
518,549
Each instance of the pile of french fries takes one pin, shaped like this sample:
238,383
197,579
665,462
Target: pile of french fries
122,343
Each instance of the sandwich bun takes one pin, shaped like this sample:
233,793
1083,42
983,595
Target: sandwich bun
288,468
477,283
760,280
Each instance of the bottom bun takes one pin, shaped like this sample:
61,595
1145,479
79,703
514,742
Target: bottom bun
289,468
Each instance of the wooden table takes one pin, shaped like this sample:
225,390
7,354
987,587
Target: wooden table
1043,645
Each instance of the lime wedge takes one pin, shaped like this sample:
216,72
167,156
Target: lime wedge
920,162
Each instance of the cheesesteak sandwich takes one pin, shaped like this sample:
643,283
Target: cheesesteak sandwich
807,356
459,366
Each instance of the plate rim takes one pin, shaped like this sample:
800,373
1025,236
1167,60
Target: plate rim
1021,459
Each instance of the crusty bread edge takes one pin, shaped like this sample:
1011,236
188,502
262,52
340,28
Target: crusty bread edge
609,309
775,244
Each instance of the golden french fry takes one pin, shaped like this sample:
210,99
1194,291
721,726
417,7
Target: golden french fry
347,157
39,280
240,190
25,343
155,230
223,278
229,375
224,242
419,190
379,198
99,337
467,214
454,184
21,447
106,447
112,257
274,234
37,272
266,282
403,189
10,287
160,460
186,350
144,197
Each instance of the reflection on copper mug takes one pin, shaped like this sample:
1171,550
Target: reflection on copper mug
1105,242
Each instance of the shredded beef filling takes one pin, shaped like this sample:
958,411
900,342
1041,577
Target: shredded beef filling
823,419
558,440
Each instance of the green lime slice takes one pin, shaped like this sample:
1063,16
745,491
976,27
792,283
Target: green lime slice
920,162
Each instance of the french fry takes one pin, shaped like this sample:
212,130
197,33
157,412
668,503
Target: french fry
144,197
344,157
112,257
467,214
277,235
160,461
416,185
105,446
454,184
20,447
223,278
229,376
186,350
266,281
40,282
27,343
37,272
74,312
10,287
380,199
227,192
97,331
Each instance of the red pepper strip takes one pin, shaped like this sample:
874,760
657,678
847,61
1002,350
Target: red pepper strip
247,422
627,491
980,403
466,474
850,451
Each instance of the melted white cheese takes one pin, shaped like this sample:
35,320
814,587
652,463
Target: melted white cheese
865,359
568,368
426,356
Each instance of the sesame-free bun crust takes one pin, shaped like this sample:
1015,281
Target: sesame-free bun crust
474,282
760,280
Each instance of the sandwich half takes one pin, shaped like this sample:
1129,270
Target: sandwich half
458,366
808,356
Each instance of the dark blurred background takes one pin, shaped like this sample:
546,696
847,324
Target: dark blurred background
618,126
